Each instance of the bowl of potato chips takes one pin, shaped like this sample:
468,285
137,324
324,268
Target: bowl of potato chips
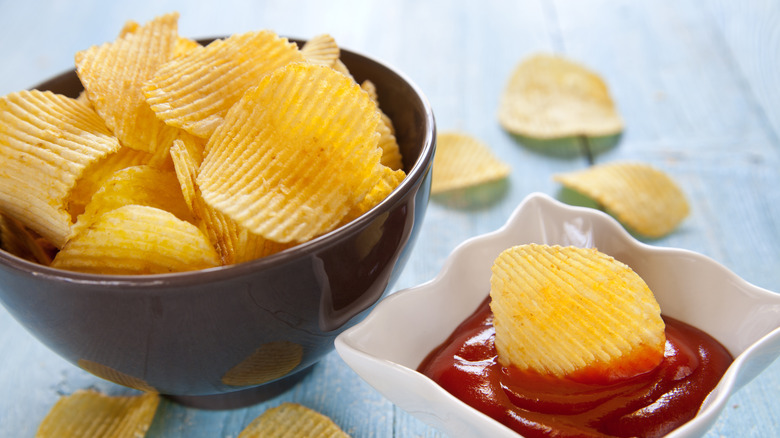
201,218
388,347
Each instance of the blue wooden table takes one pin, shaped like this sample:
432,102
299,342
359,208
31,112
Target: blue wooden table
697,82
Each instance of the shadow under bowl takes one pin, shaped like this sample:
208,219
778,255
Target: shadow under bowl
235,335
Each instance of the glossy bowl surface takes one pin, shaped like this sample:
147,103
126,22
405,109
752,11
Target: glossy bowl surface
386,347
182,334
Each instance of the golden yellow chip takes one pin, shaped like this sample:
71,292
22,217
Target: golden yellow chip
269,362
233,243
114,73
294,155
389,181
321,49
87,413
98,172
292,420
643,198
549,96
574,312
137,239
46,143
391,153
463,161
136,185
194,91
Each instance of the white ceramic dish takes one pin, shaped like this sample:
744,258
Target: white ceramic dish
386,348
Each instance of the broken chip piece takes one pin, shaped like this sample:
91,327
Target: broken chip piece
88,413
643,198
574,312
550,97
292,420
463,161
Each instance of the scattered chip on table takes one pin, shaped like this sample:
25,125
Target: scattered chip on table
574,312
463,161
549,96
292,420
643,198
87,413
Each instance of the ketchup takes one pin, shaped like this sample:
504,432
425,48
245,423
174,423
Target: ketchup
646,405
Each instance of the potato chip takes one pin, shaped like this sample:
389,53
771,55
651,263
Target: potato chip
294,155
194,91
136,239
98,172
391,153
88,413
549,97
321,49
292,420
643,198
46,143
114,73
233,243
389,181
463,161
136,185
574,312
269,362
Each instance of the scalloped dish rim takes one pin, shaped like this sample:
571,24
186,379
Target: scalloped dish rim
386,347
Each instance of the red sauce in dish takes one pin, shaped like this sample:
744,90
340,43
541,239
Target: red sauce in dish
646,405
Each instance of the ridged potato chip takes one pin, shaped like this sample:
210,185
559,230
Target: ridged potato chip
643,198
321,49
233,243
294,155
136,185
194,91
46,143
136,239
88,413
113,75
99,171
463,161
387,183
292,420
549,97
391,153
574,312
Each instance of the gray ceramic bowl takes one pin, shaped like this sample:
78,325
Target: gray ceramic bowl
234,335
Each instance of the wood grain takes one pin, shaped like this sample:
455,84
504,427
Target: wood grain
697,83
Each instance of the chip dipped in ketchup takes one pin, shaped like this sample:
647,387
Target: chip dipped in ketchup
650,404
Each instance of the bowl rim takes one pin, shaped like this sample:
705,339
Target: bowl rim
351,345
414,177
